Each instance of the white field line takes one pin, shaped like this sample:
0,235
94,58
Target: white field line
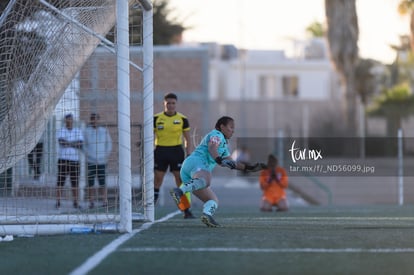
335,218
98,257
269,250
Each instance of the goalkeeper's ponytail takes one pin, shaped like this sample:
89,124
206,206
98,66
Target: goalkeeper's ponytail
224,120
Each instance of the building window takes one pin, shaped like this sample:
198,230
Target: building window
267,86
290,86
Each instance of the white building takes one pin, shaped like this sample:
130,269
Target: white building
280,92
257,74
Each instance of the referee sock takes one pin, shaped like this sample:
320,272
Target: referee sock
156,195
193,185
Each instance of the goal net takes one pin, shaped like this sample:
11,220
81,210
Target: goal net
57,64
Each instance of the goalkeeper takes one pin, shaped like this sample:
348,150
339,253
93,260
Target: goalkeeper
196,169
273,182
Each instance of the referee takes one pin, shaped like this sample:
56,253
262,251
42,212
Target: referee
170,127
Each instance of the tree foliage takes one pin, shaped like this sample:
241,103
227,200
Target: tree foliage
398,99
166,28
316,29
406,7
394,104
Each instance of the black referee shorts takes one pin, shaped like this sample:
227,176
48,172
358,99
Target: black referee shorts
168,156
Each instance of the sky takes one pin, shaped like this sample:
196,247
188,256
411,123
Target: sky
275,24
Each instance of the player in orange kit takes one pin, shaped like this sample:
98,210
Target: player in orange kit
273,181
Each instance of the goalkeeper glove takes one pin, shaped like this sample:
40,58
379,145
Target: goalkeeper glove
229,163
255,167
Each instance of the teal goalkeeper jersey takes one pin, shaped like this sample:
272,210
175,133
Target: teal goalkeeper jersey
202,152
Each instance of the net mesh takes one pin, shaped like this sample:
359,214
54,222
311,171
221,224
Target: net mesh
39,51
50,66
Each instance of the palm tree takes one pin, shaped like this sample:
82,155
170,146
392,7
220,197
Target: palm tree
342,35
394,104
406,7
369,79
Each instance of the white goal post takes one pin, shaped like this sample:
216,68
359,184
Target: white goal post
51,65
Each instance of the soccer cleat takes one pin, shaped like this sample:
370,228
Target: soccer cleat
209,221
176,194
188,214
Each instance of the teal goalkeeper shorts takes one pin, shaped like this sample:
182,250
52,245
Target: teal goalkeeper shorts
191,165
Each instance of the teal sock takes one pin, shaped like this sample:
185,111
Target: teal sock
193,185
210,207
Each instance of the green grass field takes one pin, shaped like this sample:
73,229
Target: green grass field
305,240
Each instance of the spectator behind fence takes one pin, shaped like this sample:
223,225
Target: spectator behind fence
34,159
98,147
70,141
